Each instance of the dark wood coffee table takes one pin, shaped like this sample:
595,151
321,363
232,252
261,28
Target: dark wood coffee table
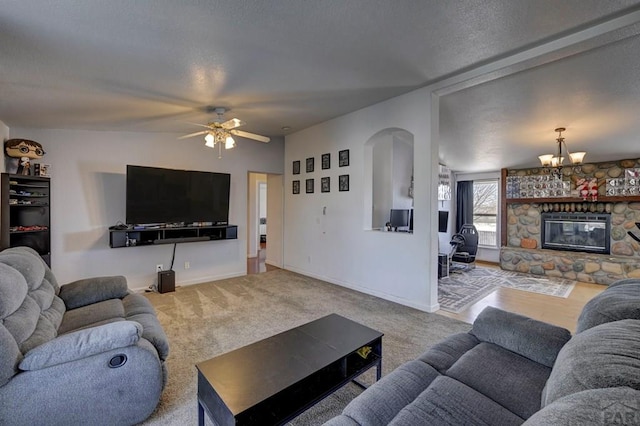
274,380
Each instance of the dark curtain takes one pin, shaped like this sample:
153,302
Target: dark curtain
464,203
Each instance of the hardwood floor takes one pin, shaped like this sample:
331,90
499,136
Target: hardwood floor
256,265
555,310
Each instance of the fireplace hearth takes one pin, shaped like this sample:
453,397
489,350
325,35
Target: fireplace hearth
585,232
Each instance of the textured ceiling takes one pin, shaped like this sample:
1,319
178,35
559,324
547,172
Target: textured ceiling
155,65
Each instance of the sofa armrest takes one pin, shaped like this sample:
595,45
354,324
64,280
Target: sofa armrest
81,344
93,290
536,340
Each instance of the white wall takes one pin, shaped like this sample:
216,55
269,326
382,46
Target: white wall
88,195
382,180
325,233
402,170
486,254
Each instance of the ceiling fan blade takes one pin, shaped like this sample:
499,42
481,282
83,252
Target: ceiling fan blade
232,124
250,135
208,126
193,134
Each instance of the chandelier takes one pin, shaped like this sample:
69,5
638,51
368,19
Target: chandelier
555,161
219,136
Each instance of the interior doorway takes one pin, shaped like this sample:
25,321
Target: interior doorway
264,222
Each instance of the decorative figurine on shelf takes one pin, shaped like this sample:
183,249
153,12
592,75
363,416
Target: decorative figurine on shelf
588,188
582,187
593,189
19,153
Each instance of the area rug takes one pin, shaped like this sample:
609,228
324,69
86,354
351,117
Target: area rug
205,320
463,288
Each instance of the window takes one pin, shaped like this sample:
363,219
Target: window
485,211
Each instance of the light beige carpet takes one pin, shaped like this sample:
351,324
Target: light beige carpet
206,320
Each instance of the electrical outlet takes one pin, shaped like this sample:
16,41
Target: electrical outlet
159,267
187,265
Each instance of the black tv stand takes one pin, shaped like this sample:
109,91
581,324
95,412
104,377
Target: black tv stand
132,237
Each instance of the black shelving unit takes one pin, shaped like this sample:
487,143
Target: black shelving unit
26,213
169,235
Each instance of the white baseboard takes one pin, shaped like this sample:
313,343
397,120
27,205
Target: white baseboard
198,280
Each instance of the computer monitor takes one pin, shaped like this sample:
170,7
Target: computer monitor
399,218
443,220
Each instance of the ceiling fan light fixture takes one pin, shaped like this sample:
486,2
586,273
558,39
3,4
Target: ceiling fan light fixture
210,140
229,142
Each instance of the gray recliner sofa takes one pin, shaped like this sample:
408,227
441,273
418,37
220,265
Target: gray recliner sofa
88,352
512,370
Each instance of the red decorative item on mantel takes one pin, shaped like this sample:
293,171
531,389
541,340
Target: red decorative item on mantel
588,188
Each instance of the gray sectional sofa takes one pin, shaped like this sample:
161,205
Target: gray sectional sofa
87,352
512,370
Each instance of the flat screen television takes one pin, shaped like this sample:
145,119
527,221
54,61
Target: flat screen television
156,195
443,220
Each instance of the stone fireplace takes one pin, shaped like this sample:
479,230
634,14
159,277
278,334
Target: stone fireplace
619,258
585,232
593,240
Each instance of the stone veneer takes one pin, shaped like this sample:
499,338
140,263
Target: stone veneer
523,228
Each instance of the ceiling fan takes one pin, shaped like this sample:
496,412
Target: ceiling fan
219,132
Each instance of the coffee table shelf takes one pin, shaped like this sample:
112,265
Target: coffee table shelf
274,380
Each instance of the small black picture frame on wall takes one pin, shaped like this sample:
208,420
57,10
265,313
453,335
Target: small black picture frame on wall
309,184
310,164
326,161
343,158
325,184
343,182
296,186
296,167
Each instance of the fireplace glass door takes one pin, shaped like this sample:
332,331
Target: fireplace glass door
576,232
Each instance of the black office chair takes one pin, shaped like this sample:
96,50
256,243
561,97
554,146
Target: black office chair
464,246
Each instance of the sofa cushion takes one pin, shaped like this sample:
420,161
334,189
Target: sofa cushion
380,403
341,420
621,300
81,344
509,379
28,251
449,402
44,332
88,315
9,354
444,354
607,355
93,290
530,338
22,323
138,308
13,288
31,268
594,407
